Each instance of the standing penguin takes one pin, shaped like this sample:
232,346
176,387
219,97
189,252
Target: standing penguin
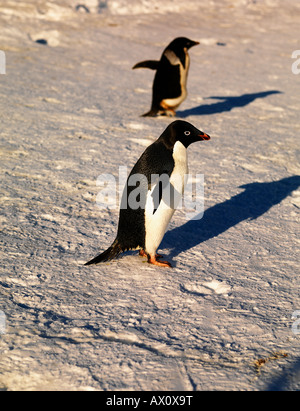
147,204
169,86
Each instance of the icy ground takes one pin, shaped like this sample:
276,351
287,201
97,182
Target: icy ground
70,109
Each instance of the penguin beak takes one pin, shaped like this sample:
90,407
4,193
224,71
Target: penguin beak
193,43
204,137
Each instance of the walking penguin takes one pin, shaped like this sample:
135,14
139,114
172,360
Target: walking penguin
169,85
151,192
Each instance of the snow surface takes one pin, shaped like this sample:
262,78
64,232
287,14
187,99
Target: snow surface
70,111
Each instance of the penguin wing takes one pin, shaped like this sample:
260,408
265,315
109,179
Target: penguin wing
160,161
162,190
150,64
156,164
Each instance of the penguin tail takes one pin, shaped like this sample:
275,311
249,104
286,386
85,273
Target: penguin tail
152,113
113,251
150,64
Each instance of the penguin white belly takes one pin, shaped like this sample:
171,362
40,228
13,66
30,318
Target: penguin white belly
157,223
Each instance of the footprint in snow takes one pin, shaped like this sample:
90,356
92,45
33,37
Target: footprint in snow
207,288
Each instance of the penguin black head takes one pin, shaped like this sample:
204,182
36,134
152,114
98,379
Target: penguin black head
184,132
181,43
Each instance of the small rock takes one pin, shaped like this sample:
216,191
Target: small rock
42,41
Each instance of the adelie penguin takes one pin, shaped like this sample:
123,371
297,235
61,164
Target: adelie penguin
153,187
169,85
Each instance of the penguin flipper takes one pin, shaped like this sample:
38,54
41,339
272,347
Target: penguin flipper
113,251
150,64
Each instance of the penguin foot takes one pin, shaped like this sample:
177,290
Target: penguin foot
152,260
166,110
166,113
143,253
163,112
170,113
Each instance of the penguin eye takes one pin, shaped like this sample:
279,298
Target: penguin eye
187,133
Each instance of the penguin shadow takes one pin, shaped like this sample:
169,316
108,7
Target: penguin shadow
227,104
254,201
282,382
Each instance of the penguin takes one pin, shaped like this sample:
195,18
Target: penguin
169,85
149,198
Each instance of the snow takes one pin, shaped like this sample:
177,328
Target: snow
70,111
